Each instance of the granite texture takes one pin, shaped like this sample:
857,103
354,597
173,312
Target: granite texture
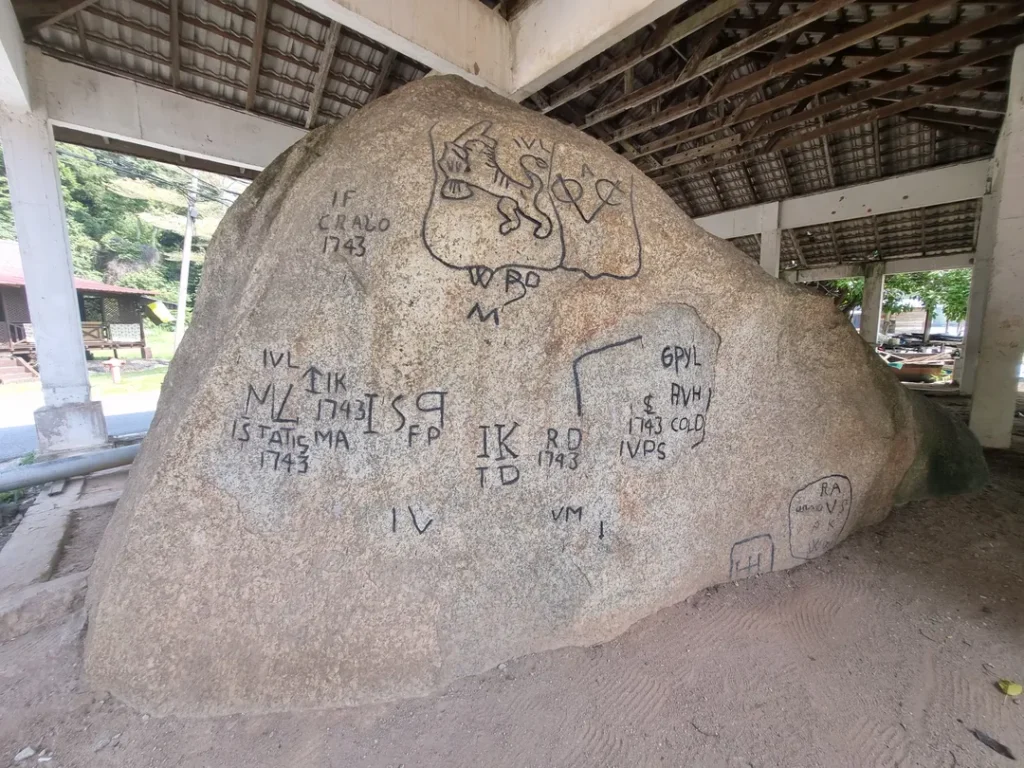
464,385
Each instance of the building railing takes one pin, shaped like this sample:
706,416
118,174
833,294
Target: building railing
20,338
17,337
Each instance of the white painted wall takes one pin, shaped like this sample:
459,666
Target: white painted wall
771,239
459,37
38,205
891,267
13,74
951,184
551,38
1002,324
120,108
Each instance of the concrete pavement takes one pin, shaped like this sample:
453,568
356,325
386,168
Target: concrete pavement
124,414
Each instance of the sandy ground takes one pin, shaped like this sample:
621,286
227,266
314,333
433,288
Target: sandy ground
883,653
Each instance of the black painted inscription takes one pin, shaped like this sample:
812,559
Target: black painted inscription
496,459
561,448
752,557
532,207
817,515
567,513
421,521
349,228
308,412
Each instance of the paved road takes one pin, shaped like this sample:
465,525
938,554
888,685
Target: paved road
125,414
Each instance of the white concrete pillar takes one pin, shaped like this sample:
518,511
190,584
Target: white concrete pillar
771,239
1002,320
68,421
872,302
981,274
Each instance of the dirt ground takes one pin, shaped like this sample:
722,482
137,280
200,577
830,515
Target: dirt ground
883,653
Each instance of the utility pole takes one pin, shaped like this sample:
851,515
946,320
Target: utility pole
186,254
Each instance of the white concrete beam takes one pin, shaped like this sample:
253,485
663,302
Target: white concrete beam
891,267
771,239
107,105
871,303
68,421
1002,323
455,37
978,298
939,186
550,38
13,72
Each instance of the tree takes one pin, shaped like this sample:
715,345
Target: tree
955,294
6,215
849,293
949,289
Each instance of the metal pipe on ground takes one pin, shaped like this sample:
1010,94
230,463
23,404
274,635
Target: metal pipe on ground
73,466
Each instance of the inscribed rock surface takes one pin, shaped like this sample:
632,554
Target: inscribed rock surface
464,385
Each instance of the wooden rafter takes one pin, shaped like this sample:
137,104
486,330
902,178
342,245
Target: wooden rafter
823,108
728,54
240,65
68,12
324,72
830,168
796,247
985,138
664,35
256,55
821,50
702,48
835,241
932,116
876,141
83,38
860,118
785,173
175,33
381,81
911,30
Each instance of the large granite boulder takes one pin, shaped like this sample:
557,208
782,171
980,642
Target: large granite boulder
464,385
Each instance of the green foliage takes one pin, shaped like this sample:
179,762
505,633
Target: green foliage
6,215
956,292
850,295
949,289
849,292
126,218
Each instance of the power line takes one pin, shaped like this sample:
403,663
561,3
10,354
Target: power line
167,183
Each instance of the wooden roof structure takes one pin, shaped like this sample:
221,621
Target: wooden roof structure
723,103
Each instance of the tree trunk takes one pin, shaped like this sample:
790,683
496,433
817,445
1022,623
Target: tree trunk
927,325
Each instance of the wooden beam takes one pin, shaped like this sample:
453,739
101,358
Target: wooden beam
824,48
83,39
256,52
913,30
381,81
796,247
68,12
665,34
793,140
823,108
326,57
735,51
953,118
175,12
703,47
829,167
983,138
973,105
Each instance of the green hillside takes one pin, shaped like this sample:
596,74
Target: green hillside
126,217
